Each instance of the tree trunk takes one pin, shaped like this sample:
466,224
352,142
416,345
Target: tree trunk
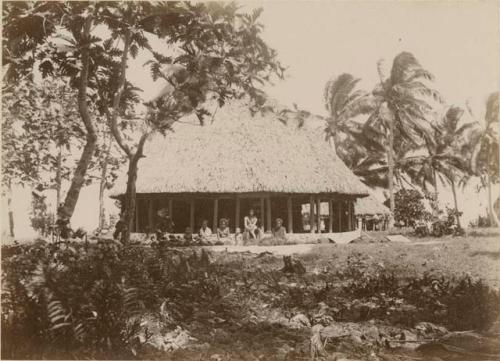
130,198
78,178
130,195
102,187
455,202
88,150
390,165
10,212
491,209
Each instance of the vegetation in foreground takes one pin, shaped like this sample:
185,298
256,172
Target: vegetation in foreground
106,300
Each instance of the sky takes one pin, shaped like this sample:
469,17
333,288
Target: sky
458,41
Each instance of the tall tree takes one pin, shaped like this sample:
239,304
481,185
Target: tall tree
344,103
401,115
216,54
56,38
446,158
485,159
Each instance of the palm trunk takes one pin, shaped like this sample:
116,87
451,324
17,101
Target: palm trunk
491,209
455,201
435,207
390,164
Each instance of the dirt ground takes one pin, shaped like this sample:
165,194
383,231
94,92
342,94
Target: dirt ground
267,332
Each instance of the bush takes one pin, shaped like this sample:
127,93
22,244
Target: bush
409,207
87,302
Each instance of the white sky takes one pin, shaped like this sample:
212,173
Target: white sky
457,41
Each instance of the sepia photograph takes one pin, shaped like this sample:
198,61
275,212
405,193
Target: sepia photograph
250,180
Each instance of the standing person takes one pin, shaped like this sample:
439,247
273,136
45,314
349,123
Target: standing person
251,224
279,232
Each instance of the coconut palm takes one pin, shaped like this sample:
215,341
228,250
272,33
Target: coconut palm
403,105
445,158
344,103
485,159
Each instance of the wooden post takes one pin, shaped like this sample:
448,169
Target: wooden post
318,211
262,213
150,215
290,214
137,216
216,215
340,215
269,219
349,215
191,215
237,216
311,213
330,216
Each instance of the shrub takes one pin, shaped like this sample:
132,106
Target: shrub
409,207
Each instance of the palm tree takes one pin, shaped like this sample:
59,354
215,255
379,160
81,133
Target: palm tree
485,159
344,102
402,109
446,157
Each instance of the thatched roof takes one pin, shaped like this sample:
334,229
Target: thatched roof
370,206
237,153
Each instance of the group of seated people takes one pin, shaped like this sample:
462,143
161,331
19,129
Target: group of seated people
222,236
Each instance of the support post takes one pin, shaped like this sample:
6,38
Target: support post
237,216
330,216
311,213
262,215
150,215
349,214
290,214
340,210
191,215
269,219
216,214
137,216
318,213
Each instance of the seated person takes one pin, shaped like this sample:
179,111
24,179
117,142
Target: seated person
188,236
205,231
223,230
164,224
279,232
238,237
251,225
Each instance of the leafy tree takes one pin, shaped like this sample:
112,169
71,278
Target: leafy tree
409,206
216,52
218,55
485,159
402,109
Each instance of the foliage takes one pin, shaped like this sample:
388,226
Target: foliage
38,122
409,206
41,219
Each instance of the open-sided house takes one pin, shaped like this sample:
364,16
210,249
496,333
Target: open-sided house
238,161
